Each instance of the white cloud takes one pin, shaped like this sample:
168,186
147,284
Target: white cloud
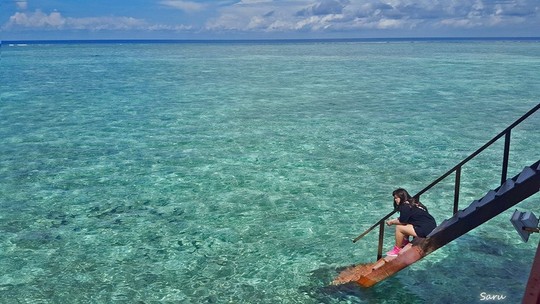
330,15
22,4
248,2
257,15
186,6
37,19
390,23
55,21
458,23
316,16
325,15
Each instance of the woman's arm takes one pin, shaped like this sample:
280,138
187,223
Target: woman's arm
393,222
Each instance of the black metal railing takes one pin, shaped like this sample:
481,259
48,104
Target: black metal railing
457,169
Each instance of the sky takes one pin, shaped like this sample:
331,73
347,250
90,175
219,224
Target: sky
266,19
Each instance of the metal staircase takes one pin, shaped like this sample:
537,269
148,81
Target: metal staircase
508,194
496,201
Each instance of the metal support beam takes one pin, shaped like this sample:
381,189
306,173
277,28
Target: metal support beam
532,293
456,190
506,156
381,241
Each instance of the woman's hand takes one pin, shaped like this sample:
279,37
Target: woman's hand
392,222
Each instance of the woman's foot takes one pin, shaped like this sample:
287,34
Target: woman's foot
394,252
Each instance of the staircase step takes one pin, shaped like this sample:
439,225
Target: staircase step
454,219
527,173
441,226
508,185
490,196
472,208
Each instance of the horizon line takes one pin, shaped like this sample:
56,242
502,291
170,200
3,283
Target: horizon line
161,40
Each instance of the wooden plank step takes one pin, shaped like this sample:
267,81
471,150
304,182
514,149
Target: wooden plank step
388,266
368,274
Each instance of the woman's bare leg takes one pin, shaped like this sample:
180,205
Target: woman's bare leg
403,231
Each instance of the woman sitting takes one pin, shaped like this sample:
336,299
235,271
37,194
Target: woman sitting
414,220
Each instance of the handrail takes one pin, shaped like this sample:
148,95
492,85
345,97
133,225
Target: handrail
375,225
489,143
457,170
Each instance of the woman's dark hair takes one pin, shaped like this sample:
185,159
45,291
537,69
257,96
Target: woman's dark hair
402,194
405,197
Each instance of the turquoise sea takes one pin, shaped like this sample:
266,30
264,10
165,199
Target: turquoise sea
239,172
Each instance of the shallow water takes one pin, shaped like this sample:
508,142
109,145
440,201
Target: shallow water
239,173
